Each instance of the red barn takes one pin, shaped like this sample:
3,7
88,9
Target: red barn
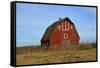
61,33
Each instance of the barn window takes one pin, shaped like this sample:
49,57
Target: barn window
62,26
65,25
68,25
65,36
59,27
71,27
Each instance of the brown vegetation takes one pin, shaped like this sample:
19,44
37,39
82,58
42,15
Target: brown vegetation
40,55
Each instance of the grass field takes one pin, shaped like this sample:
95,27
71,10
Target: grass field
39,55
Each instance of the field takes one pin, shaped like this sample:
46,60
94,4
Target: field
39,55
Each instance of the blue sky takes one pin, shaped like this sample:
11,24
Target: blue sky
33,19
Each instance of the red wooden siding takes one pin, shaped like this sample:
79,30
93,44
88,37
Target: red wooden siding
60,30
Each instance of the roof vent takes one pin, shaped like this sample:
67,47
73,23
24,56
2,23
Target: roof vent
59,18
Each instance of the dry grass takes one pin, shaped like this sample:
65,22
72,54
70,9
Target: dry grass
38,55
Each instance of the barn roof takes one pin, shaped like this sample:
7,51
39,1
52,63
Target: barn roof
51,28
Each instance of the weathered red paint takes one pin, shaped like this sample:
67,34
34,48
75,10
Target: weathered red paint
58,35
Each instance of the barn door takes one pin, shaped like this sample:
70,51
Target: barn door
66,41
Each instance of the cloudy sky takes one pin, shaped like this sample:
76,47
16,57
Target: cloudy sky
33,19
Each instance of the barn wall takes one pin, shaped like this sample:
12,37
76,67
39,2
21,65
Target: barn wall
57,35
45,43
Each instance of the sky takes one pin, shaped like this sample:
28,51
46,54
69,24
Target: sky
33,19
